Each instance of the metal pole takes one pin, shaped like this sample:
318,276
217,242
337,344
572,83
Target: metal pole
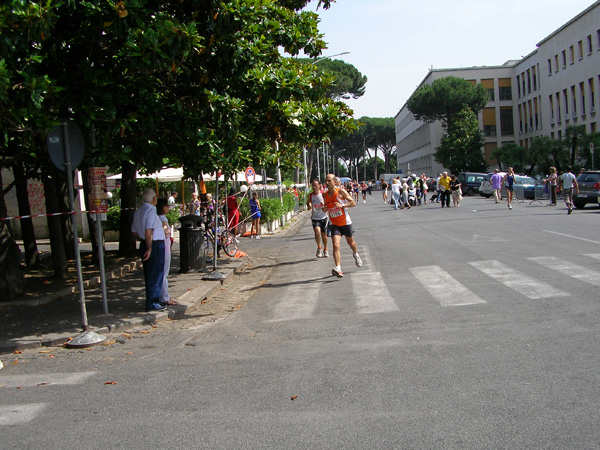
318,165
324,160
100,245
69,174
216,217
305,170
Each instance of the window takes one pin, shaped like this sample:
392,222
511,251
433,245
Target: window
533,71
558,107
598,40
551,103
564,58
491,92
556,63
550,67
506,121
574,99
518,86
589,44
582,96
572,54
580,49
489,130
566,99
592,99
505,93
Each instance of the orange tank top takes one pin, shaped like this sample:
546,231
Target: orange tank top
338,216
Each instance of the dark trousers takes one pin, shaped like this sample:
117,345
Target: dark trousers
446,198
154,269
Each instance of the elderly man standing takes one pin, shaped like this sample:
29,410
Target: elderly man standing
148,229
444,185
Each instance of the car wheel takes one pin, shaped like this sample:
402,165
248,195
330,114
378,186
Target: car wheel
487,195
579,204
470,191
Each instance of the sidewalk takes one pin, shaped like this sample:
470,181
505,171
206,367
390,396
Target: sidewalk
52,320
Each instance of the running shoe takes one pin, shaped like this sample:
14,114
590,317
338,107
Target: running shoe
570,210
357,260
337,272
257,237
319,253
326,254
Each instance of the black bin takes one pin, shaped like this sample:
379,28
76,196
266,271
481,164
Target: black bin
191,238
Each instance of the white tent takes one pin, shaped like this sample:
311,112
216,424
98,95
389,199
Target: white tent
176,174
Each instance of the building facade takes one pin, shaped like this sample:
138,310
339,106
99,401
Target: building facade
553,87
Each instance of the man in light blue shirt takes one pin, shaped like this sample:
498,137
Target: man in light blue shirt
568,182
148,229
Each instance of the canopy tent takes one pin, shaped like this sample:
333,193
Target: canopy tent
176,174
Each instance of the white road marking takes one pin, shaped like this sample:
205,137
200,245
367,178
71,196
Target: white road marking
444,288
11,415
572,237
569,269
372,295
593,255
298,302
48,379
478,238
515,280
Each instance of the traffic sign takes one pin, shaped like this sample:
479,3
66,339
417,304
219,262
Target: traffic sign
57,148
250,175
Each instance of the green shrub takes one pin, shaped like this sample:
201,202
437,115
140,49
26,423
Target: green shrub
270,209
113,219
289,201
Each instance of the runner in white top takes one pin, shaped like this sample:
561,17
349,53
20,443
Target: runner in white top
568,183
316,203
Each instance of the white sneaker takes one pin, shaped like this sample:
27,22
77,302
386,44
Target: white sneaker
364,201
319,253
237,241
326,254
257,237
357,260
337,272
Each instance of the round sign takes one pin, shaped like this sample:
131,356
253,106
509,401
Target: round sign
56,145
250,175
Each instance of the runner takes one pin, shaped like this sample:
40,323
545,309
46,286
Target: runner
337,202
319,218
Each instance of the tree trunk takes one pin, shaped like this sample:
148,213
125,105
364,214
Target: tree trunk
128,205
32,257
57,245
12,281
66,222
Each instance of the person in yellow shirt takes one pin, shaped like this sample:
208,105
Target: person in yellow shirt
445,188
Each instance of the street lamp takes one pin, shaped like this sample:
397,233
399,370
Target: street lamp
329,57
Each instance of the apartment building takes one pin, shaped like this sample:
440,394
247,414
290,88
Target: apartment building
555,86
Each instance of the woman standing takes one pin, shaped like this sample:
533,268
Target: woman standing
162,209
553,181
255,215
384,190
456,190
396,192
509,180
233,214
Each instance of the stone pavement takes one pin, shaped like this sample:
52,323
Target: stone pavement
52,321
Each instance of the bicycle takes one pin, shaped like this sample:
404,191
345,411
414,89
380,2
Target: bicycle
225,239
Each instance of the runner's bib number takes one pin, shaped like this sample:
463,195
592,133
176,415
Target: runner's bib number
335,212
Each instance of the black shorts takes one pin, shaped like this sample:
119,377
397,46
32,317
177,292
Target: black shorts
345,230
322,224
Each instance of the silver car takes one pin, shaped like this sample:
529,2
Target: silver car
589,188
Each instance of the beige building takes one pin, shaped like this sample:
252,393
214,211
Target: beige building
540,95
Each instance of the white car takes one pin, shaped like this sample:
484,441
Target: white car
485,189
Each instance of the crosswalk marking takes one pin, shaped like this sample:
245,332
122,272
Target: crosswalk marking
299,302
570,269
372,294
11,415
515,280
444,288
48,379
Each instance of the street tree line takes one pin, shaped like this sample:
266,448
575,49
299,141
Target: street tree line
203,84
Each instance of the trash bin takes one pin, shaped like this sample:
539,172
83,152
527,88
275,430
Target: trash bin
191,238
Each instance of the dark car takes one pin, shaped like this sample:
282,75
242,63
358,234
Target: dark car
528,185
589,188
470,182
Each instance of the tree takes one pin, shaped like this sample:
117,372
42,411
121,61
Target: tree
349,82
380,134
460,149
446,98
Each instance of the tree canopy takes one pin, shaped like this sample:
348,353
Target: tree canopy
445,98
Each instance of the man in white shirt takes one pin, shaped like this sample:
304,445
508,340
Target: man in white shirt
568,182
315,202
148,229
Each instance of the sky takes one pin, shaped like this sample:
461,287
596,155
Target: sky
395,42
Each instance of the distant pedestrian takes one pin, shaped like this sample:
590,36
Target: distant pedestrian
552,181
162,209
396,188
444,186
148,229
316,203
496,180
509,181
255,215
568,183
172,198
384,190
455,190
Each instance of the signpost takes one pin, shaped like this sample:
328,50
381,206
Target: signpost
66,148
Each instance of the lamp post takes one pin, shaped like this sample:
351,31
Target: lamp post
329,57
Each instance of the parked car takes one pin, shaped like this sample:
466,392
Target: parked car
589,188
470,182
528,185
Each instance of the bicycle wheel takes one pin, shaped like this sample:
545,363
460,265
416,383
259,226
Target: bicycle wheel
227,240
209,249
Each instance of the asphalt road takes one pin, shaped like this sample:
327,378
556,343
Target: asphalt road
469,328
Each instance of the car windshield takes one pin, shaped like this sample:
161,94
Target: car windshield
588,178
528,180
